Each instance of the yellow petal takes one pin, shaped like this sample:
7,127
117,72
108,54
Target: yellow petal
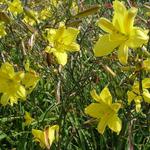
21,92
118,37
138,103
13,100
52,134
131,96
123,54
115,106
137,38
49,49
4,99
30,80
146,96
129,19
146,83
8,69
19,76
135,87
28,118
146,64
106,25
104,46
96,110
105,95
59,32
69,35
61,57
119,15
15,6
115,124
39,137
95,96
51,34
102,124
73,47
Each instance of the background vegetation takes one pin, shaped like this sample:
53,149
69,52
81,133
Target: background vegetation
63,92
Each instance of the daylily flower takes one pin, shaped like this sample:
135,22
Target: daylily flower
15,85
61,41
10,84
136,95
15,7
105,111
46,137
45,13
30,80
121,33
28,118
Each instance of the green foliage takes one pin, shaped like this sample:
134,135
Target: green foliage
62,93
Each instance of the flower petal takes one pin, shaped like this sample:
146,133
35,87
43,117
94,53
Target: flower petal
96,110
138,103
7,69
146,64
21,92
59,33
106,25
39,137
120,12
52,134
104,46
116,106
137,38
146,83
146,96
102,124
123,54
105,95
28,118
73,47
129,19
131,96
19,76
69,35
95,96
61,57
115,124
4,99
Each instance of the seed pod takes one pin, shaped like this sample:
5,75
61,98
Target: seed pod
87,12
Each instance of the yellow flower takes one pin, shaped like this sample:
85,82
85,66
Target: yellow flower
28,118
104,111
135,94
15,85
120,33
10,84
30,80
15,7
46,137
44,14
2,29
146,64
61,41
